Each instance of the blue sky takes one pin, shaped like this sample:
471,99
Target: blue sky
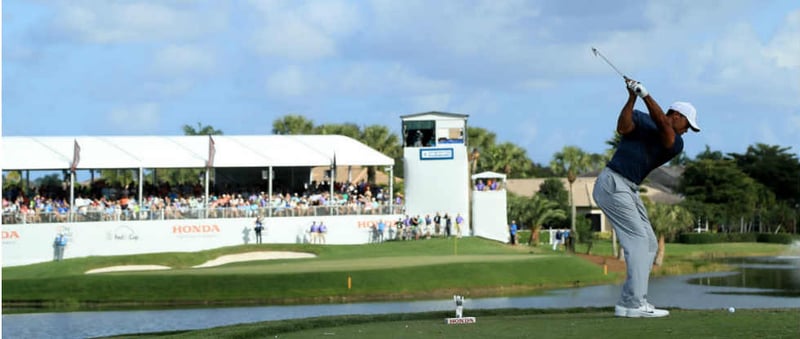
522,69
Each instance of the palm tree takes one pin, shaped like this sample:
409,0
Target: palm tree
509,158
292,124
382,140
534,211
347,129
667,221
117,177
613,143
480,140
571,158
201,130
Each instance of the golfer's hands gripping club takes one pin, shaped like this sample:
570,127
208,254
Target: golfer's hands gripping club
636,87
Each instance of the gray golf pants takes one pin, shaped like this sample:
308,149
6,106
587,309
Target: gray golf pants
619,199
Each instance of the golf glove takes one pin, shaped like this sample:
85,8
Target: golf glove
637,88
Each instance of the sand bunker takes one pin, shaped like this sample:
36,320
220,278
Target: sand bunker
251,256
225,259
128,268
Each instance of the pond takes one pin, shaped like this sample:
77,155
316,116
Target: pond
772,282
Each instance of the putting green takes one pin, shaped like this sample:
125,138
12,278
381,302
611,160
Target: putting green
336,265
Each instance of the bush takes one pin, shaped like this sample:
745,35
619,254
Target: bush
524,236
740,237
603,235
711,238
780,238
700,238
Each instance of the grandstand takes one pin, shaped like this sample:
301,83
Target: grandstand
233,186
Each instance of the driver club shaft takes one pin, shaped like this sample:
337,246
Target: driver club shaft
597,53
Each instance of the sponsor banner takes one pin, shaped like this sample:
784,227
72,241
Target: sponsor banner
10,236
436,154
196,230
122,233
459,321
33,243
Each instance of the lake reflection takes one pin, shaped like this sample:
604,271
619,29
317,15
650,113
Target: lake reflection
761,283
776,276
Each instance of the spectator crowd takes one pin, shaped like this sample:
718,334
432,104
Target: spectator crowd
188,202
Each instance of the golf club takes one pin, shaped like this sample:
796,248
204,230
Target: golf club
597,53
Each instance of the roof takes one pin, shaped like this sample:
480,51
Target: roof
582,190
105,152
434,113
489,175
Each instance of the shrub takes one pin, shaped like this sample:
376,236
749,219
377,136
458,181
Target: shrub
740,237
524,236
772,238
603,235
710,238
700,238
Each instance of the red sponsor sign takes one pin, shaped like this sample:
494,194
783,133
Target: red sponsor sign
8,235
458,321
371,223
195,229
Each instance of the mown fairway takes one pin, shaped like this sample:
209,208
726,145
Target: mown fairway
396,270
523,323
421,269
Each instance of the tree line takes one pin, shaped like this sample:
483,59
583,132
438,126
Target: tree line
754,191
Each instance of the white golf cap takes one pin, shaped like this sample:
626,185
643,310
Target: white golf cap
688,111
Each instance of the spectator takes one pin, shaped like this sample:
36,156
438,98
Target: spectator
314,232
381,229
59,244
259,227
459,224
448,229
557,240
512,229
323,230
480,186
428,226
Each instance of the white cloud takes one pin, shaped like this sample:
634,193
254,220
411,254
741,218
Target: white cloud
394,79
784,48
136,118
291,81
303,30
430,102
794,122
134,21
294,39
175,59
766,134
167,88
738,62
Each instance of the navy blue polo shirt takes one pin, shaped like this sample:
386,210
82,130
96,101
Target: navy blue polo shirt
640,151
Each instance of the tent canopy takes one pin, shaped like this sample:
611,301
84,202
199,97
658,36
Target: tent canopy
110,152
489,175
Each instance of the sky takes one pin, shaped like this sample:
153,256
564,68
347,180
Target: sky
521,69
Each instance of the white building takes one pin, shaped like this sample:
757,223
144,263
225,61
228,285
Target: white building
436,165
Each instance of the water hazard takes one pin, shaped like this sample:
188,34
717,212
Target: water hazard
757,283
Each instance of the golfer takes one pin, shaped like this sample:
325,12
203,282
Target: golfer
648,141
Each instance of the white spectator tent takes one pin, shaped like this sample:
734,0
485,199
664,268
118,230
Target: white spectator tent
489,214
153,152
110,152
26,244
